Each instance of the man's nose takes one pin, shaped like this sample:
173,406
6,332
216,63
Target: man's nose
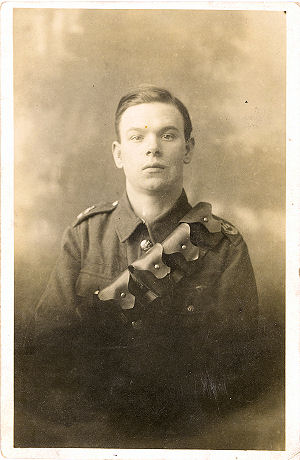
152,146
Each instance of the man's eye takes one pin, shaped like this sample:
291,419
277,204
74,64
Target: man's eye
136,137
168,137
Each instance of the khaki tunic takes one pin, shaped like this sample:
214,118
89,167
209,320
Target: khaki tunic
105,239
195,350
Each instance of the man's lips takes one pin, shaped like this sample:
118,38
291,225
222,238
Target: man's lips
153,166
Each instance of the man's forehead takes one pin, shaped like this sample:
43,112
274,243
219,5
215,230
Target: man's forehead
151,114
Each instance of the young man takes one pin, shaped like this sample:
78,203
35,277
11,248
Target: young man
174,340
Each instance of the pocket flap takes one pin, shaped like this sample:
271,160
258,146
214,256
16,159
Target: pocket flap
88,282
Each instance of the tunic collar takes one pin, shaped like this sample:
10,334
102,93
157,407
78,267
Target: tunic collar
126,221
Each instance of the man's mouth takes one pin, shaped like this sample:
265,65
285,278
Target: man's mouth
153,166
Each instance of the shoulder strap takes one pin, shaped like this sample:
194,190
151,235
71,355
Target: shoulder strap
100,208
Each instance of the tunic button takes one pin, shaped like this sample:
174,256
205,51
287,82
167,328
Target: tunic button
205,219
123,294
183,246
190,308
137,324
145,245
156,266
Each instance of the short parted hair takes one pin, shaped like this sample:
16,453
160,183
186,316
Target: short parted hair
148,93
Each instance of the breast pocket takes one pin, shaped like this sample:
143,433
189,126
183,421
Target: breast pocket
102,322
93,277
198,294
203,280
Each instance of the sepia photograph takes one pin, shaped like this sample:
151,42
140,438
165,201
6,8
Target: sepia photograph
149,228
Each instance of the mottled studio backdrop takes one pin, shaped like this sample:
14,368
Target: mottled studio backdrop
70,69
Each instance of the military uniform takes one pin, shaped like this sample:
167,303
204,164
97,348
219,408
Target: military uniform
105,239
193,350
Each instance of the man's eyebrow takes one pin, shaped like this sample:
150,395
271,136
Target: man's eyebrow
166,128
135,128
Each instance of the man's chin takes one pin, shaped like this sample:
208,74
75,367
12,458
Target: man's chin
156,185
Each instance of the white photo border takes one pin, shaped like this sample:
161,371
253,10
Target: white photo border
292,237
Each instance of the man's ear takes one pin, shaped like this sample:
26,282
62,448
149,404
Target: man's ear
116,151
189,149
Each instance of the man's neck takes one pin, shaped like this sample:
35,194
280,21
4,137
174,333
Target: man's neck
148,206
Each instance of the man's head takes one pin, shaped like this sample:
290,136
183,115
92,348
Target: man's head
153,131
146,94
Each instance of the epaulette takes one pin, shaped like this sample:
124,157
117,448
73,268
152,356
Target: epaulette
100,208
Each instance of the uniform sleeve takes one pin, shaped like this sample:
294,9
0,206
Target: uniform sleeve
237,294
47,383
233,355
57,308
